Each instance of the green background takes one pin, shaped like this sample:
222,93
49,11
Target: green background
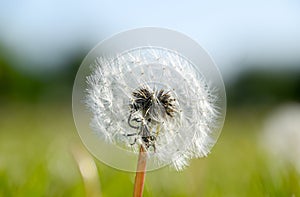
39,142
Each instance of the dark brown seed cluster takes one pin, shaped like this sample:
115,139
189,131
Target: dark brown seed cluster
142,100
149,103
167,101
145,98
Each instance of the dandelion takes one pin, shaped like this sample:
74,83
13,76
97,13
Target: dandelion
281,135
151,102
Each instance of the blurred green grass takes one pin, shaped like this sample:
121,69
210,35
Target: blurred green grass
36,160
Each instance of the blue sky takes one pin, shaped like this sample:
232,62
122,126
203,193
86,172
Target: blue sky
46,31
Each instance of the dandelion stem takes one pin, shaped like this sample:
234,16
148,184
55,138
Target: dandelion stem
140,173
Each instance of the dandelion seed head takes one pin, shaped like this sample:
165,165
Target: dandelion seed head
280,136
161,97
119,85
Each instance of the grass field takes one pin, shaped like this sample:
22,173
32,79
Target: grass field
37,145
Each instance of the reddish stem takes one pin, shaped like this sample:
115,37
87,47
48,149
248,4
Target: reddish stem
140,173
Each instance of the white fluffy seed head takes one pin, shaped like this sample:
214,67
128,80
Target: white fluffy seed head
187,134
281,134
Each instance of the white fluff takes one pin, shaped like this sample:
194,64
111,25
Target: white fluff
188,135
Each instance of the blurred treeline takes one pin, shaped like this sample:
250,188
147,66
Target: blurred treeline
264,87
20,85
256,87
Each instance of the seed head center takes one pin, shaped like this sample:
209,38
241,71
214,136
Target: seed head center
148,109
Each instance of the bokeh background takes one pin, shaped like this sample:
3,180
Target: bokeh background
256,45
